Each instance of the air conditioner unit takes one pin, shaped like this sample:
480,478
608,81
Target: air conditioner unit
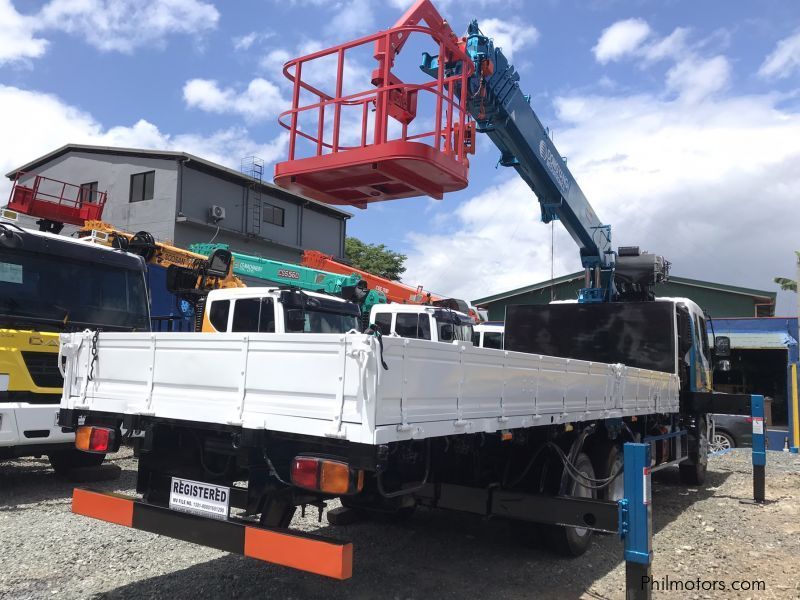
217,213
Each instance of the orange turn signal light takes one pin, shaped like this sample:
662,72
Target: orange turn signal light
326,475
95,439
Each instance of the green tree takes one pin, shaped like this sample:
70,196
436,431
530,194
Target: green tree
788,285
374,258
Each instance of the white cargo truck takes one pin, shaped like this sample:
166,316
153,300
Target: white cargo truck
240,428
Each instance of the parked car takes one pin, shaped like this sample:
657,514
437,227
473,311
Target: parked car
731,431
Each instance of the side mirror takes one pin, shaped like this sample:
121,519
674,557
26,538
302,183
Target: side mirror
722,347
219,263
724,365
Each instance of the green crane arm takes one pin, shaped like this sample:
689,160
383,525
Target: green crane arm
351,287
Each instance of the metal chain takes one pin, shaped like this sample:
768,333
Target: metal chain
90,376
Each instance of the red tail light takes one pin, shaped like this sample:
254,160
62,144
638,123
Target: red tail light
95,439
305,473
326,475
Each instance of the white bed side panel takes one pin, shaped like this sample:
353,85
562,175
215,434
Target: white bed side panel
334,385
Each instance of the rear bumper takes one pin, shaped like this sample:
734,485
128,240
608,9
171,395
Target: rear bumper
23,424
297,550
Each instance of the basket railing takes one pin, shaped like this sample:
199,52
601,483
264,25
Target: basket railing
449,120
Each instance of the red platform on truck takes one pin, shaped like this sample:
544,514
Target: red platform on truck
55,200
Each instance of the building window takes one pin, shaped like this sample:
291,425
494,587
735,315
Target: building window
89,192
272,214
142,186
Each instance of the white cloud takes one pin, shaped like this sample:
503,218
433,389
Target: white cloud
273,61
352,17
17,36
673,46
243,42
109,25
784,60
620,39
692,76
694,79
713,187
261,100
39,123
509,35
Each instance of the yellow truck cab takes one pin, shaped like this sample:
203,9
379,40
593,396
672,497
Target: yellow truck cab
51,284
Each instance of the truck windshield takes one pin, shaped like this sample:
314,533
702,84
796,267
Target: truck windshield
318,321
318,314
45,291
452,327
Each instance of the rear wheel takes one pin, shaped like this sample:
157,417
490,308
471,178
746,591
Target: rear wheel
607,461
573,541
64,461
693,470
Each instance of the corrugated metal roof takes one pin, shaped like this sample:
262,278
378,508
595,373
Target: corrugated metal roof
758,340
766,295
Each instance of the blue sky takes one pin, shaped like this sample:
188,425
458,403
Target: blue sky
680,120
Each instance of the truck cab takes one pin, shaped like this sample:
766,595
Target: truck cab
51,284
278,310
694,354
422,322
489,335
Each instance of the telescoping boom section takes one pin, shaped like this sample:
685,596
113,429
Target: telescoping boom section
349,286
189,274
395,291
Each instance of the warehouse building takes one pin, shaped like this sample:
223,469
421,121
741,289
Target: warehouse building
184,199
719,300
764,348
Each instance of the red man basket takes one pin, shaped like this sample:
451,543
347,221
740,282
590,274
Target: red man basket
357,137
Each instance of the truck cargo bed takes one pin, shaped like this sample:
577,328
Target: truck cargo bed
330,385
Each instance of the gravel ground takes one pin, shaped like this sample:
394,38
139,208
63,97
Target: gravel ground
46,552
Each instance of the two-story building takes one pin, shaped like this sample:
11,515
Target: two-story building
183,198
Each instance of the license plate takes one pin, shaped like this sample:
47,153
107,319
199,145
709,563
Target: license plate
198,498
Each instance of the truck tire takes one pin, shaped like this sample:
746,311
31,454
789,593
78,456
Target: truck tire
573,541
607,460
693,470
64,461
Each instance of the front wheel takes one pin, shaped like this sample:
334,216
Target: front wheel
64,461
693,470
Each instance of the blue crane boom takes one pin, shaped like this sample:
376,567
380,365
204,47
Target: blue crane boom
503,112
